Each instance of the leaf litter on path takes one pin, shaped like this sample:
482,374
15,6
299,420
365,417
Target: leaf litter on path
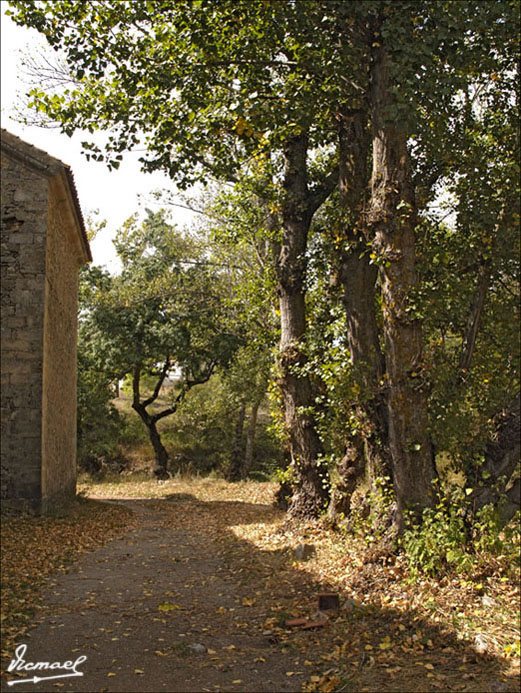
387,636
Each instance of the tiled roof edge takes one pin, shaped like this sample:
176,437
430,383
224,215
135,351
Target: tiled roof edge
76,201
48,165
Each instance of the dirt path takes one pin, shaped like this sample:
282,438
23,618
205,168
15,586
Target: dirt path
183,603
157,611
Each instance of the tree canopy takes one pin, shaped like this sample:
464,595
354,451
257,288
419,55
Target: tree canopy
349,127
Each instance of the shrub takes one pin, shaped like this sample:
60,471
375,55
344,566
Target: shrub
99,423
439,541
447,539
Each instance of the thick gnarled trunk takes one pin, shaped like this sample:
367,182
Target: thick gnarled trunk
366,450
392,219
311,488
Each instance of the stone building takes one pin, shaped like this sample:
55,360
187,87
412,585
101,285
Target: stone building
43,245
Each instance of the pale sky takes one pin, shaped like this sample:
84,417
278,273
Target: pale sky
114,193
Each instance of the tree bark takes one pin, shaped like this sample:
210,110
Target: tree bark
478,301
159,449
392,219
311,488
160,452
366,449
250,438
237,458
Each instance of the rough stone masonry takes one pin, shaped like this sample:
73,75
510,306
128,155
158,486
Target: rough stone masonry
43,244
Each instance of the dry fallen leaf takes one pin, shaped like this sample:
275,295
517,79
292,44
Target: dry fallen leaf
255,546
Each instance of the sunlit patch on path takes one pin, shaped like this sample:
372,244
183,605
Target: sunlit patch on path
196,593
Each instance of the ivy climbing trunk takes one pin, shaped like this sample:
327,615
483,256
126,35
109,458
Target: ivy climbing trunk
392,219
310,479
366,447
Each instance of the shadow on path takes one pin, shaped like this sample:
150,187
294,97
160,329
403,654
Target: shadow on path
181,603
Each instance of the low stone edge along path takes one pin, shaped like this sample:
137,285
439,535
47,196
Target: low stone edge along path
138,609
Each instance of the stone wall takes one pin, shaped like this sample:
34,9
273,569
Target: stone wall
43,245
59,348
23,239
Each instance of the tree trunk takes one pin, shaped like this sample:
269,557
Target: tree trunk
501,459
478,301
160,452
392,219
474,318
311,489
366,450
250,439
149,420
236,465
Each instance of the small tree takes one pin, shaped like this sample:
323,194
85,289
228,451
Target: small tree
164,315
